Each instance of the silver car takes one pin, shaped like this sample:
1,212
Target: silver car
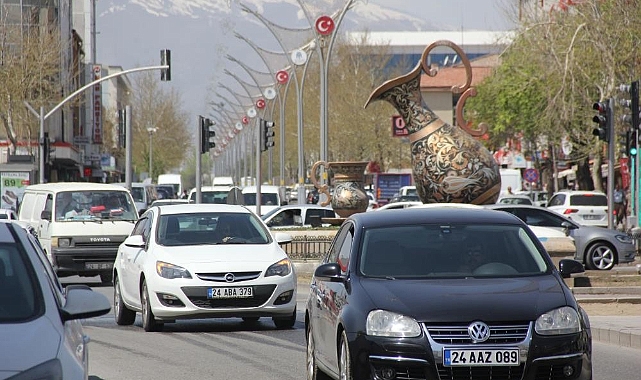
42,337
597,247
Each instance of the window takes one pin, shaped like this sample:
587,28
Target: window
21,298
557,200
589,200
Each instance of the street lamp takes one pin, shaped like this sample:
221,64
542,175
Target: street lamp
151,131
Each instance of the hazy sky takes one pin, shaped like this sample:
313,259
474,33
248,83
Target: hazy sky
468,14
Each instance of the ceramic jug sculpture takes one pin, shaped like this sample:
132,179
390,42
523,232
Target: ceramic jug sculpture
349,196
448,164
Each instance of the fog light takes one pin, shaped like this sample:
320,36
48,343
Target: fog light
388,373
568,371
284,298
170,300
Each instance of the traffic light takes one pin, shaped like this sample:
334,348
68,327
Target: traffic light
165,60
266,134
206,134
603,119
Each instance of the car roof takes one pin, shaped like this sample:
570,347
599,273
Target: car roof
74,186
199,208
579,192
305,205
263,189
415,215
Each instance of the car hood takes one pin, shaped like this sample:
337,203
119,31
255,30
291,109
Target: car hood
462,300
251,254
25,345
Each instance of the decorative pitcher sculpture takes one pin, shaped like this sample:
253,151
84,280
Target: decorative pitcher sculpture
449,165
349,196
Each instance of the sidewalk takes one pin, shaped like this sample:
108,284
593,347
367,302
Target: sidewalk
624,331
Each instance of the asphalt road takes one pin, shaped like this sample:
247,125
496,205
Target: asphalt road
228,348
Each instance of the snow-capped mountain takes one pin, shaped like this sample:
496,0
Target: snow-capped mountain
200,34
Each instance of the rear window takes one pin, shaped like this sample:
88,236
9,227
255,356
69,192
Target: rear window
588,200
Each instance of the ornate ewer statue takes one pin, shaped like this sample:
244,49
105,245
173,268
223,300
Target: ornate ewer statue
449,165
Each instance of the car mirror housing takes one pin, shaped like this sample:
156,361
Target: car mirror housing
84,303
282,238
329,271
135,241
568,267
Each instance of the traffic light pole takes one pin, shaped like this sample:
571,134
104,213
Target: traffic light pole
611,158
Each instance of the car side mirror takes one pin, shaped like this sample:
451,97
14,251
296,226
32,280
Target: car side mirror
567,226
45,215
282,238
135,241
329,272
568,267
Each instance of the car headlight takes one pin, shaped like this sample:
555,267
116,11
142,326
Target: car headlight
564,320
171,271
281,268
625,239
61,242
386,323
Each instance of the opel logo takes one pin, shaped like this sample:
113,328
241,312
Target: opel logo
229,277
479,332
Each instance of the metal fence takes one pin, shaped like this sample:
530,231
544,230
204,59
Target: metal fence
308,247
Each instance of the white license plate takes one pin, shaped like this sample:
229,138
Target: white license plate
98,265
240,292
478,357
592,217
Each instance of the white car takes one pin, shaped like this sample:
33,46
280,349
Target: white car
589,208
42,336
293,216
203,261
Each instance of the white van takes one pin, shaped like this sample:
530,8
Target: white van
80,225
144,195
175,180
271,198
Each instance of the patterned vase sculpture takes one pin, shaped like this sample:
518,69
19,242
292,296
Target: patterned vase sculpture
449,165
349,196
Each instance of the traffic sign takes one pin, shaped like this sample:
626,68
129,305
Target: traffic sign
531,175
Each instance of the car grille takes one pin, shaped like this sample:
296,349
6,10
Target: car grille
102,244
499,334
480,373
198,296
551,372
220,277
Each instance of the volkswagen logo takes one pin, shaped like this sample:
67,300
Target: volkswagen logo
229,277
479,332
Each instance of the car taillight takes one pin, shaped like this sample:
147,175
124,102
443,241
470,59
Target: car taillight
570,211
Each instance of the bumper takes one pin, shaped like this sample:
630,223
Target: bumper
83,261
541,358
187,298
627,254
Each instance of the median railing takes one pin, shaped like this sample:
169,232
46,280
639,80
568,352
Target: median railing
308,247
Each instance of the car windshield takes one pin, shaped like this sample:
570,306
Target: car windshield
210,228
217,196
267,199
464,250
94,205
588,200
19,299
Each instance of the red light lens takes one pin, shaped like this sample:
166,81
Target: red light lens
570,211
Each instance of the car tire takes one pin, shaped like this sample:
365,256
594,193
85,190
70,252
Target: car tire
600,256
285,323
124,316
344,359
149,322
313,372
106,277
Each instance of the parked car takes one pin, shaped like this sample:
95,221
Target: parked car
429,293
538,197
42,337
596,247
203,261
514,199
306,215
9,214
589,208
398,205
405,198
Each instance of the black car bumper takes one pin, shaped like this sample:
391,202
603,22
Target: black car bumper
566,357
85,261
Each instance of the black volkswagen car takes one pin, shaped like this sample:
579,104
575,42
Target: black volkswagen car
443,293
